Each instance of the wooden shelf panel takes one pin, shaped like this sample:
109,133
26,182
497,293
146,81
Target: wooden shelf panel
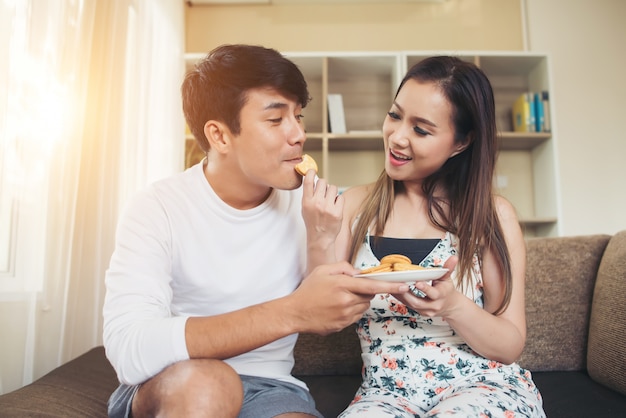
355,144
373,140
522,140
533,222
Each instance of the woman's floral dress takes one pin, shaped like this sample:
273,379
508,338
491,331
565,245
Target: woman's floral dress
416,366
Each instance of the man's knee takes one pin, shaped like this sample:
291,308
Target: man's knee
191,388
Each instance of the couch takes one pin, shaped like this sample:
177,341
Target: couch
576,344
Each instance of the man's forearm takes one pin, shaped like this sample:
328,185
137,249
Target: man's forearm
234,333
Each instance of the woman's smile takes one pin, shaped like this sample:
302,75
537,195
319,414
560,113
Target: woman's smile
398,159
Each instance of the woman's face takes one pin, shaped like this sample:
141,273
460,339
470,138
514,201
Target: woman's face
418,132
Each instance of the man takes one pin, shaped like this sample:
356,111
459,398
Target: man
205,295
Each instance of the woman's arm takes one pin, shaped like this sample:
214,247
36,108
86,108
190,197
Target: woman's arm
502,337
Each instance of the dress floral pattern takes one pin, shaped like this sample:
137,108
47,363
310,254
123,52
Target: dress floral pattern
415,366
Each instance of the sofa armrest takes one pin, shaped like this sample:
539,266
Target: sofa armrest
606,353
79,388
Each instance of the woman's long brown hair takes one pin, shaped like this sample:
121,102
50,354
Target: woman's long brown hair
467,206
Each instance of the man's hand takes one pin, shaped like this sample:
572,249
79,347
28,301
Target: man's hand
330,299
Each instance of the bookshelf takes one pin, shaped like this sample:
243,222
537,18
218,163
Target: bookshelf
367,81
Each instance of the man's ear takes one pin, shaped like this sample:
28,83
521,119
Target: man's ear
218,135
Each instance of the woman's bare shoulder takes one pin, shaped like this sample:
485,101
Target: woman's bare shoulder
355,196
359,191
506,211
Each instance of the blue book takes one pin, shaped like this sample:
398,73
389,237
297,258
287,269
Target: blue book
533,113
545,98
539,113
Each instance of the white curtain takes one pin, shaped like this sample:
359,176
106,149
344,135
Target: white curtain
89,113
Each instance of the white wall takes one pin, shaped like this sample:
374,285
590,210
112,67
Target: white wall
586,42
376,26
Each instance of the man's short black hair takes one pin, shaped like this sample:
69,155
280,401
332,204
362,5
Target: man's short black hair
216,89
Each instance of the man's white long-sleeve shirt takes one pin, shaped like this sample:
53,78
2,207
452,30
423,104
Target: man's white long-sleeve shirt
180,252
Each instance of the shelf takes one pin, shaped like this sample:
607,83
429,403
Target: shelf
374,140
522,140
358,135
367,83
363,141
539,227
367,80
534,222
314,135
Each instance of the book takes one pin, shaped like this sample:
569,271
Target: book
523,119
545,99
336,116
539,113
532,109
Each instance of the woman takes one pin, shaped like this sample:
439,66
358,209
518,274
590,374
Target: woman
449,347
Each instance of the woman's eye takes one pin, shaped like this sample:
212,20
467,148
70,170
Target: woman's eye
393,115
277,120
420,131
299,118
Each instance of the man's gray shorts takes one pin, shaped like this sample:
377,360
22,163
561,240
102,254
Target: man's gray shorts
263,398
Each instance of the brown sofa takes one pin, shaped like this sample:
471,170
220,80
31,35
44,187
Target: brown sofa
576,345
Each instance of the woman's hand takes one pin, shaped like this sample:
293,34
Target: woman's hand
322,211
440,298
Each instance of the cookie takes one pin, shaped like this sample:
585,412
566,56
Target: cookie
395,258
382,268
308,163
406,267
393,262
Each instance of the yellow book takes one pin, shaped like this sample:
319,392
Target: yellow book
522,118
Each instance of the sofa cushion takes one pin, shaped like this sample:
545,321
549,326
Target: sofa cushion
560,276
606,362
575,394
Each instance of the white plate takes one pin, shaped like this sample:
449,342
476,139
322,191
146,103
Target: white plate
407,275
